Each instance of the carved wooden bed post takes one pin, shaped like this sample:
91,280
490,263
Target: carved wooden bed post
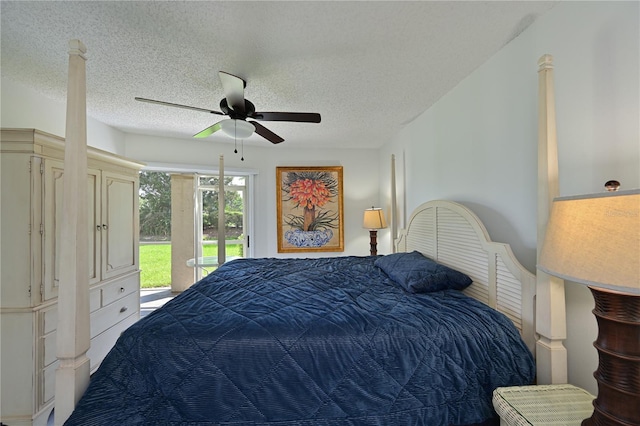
551,355
73,340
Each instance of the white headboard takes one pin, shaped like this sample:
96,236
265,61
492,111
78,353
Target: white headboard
453,235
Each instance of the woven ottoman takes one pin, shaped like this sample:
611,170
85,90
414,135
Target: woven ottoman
542,405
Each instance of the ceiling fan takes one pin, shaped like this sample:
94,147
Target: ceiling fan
239,109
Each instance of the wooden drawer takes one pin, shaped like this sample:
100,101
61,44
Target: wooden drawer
50,319
47,361
109,315
49,348
102,344
95,299
49,385
119,289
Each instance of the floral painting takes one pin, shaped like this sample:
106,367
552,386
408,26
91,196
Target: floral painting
309,209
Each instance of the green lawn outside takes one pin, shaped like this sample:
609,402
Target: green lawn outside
155,262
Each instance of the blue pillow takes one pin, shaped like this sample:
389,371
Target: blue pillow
418,274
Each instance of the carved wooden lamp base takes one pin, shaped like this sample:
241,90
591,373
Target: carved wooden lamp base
373,235
618,373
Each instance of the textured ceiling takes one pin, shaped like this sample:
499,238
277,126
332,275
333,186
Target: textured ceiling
367,67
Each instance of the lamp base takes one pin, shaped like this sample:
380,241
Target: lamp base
618,373
373,235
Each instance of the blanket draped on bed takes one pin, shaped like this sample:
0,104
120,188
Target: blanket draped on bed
329,341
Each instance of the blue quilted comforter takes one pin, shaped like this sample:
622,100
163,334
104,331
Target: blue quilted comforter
328,341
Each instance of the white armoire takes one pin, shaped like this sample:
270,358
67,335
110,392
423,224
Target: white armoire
32,168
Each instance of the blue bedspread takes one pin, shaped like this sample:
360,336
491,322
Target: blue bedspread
329,341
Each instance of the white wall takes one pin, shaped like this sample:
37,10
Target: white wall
478,144
23,107
360,181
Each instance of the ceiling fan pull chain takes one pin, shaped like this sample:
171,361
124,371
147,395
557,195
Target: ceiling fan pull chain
242,147
235,139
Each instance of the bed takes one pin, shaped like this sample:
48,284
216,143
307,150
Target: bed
375,340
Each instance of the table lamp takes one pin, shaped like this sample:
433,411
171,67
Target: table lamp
374,220
595,240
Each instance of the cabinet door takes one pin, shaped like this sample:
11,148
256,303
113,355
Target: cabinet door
53,188
21,248
53,184
95,227
119,224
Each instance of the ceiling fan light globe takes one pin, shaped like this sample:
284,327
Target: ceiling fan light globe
238,129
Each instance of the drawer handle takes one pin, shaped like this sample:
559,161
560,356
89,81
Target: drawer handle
123,309
121,289
99,227
104,226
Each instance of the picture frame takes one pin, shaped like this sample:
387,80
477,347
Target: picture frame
309,209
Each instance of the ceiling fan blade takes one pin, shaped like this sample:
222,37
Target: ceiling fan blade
209,130
301,117
152,101
266,133
233,90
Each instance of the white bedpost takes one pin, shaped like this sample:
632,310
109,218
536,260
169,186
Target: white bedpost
73,339
551,323
222,244
392,210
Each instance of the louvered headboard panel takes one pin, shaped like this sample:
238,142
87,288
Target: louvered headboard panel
454,236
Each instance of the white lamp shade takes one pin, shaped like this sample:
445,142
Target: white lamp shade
595,240
238,129
374,219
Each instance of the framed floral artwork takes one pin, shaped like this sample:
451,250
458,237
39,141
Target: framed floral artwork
310,216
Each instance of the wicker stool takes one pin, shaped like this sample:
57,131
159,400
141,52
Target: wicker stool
542,405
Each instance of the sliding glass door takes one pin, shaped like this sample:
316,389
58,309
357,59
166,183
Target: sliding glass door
236,221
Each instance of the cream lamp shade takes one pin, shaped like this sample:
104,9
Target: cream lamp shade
238,129
595,240
374,219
